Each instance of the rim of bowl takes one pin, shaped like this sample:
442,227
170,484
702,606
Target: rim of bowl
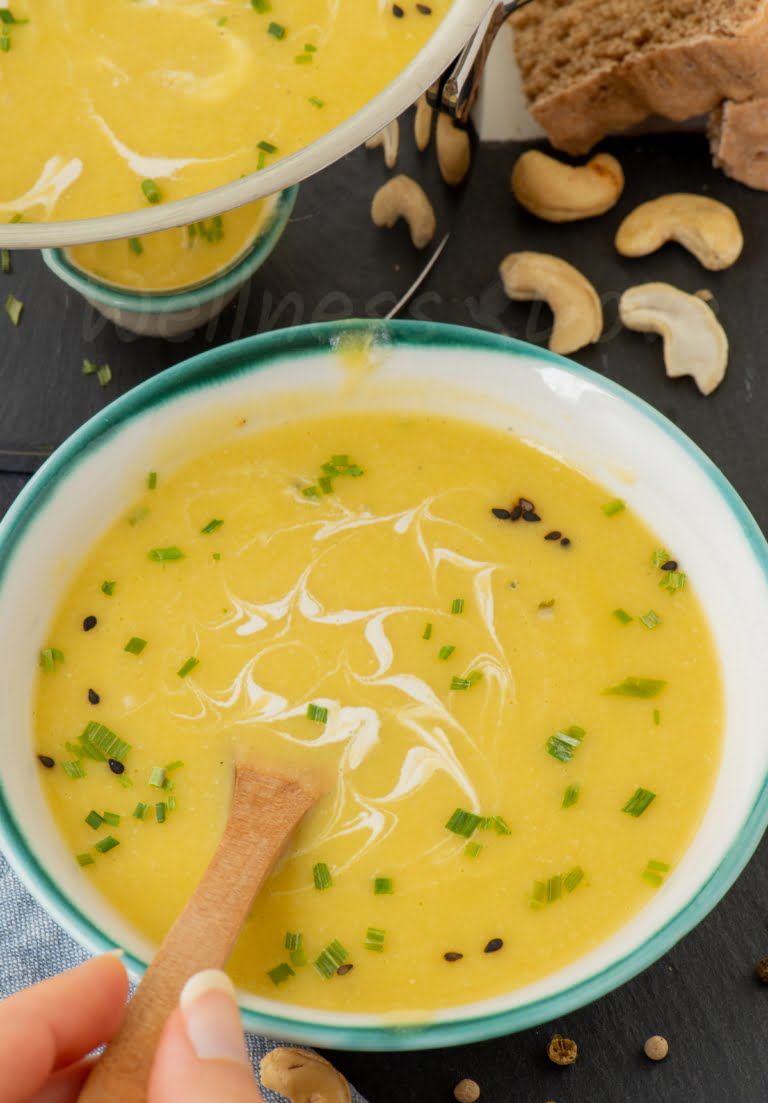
251,355
166,302
445,43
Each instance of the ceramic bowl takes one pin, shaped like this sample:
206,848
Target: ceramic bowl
171,313
592,423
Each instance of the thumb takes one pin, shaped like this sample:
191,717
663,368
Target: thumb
202,1054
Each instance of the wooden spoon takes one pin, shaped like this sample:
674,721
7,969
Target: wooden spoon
265,810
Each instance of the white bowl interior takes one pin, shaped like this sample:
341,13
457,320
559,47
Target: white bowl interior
622,444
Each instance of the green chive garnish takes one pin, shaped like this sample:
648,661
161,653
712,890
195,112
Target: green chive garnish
650,619
212,525
460,683
5,261
267,147
13,308
138,514
48,658
463,823
157,777
571,795
105,845
638,802
135,645
547,892
188,666
261,5
572,879
383,886
673,581
622,616
330,959
280,973
457,605
112,819
655,872
98,742
134,244
173,766
427,633
500,825
445,652
85,860
164,555
636,687
108,588
140,811
293,941
316,101
614,507
563,744
152,480
375,938
160,810
73,769
473,850
660,556
277,30
322,876
152,193
317,713
94,820
656,717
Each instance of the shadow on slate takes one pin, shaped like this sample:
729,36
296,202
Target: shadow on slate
333,263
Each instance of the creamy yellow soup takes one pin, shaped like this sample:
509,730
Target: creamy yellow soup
114,104
507,679
177,258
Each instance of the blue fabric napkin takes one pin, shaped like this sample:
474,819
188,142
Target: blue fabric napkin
33,947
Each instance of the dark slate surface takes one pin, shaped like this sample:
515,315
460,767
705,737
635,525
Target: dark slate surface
332,263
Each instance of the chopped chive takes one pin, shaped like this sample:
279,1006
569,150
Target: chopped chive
622,616
102,744
330,959
138,514
135,645
261,5
573,878
152,193
614,507
217,556
460,683
660,555
311,492
173,766
104,375
280,973
650,619
277,30
135,245
551,890
108,587
152,480
673,581
571,795
457,605
636,687
317,713
171,802
322,876
383,886
163,555
638,802
160,811
140,810
85,859
427,633
656,717
293,941
655,872
48,658
212,525
316,101
157,777
473,850
106,844
659,867
112,819
303,59
298,958
94,820
563,744
463,823
73,769
5,261
500,825
309,48
188,666
445,652
13,308
89,368
375,939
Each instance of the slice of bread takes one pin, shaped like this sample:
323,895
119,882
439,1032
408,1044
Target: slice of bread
738,137
590,67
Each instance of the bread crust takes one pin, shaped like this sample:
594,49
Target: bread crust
676,81
738,137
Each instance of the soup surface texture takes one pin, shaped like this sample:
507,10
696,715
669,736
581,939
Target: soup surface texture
177,258
119,103
518,715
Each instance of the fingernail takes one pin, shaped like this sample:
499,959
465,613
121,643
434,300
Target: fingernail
212,1019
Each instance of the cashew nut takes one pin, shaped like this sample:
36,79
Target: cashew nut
694,341
303,1077
703,226
454,152
422,123
564,193
571,297
389,138
402,197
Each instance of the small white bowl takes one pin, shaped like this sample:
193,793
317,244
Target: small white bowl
592,423
171,313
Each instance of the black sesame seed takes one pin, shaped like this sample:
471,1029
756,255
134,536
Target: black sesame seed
494,945
89,623
670,565
116,767
516,513
46,760
529,515
344,969
423,9
397,11
93,697
452,955
554,535
502,514
565,542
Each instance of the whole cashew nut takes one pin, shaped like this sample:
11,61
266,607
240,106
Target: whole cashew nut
565,193
402,197
454,151
694,341
705,227
389,138
303,1077
571,297
422,123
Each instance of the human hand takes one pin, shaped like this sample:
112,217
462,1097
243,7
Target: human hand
47,1031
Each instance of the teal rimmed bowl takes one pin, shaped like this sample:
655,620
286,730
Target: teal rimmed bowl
171,313
594,424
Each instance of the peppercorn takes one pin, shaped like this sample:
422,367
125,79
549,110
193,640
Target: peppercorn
562,1051
761,970
467,1091
656,1048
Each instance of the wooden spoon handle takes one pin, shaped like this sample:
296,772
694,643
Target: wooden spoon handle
265,811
